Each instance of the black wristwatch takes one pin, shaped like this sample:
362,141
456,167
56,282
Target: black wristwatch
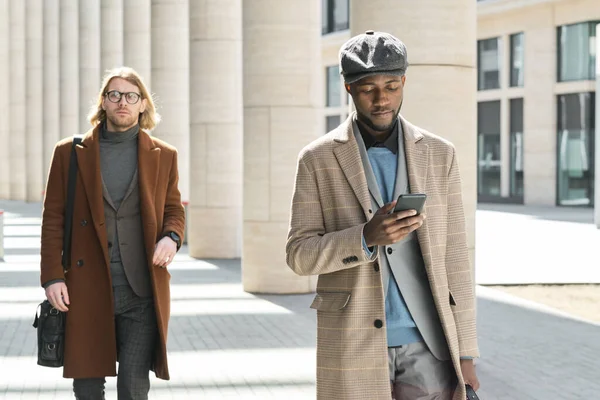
175,237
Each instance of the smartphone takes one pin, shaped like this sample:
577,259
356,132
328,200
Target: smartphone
471,395
413,201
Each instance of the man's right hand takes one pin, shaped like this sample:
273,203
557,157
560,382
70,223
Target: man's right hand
58,296
385,229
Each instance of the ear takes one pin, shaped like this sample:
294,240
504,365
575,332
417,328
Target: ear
347,88
144,105
403,80
103,100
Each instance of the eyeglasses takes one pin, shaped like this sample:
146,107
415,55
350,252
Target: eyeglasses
114,96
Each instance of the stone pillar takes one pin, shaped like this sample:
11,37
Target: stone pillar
137,17
4,100
112,34
51,83
440,91
282,102
171,79
17,143
89,59
69,68
214,213
35,101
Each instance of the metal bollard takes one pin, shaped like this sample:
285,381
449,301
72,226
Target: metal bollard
1,235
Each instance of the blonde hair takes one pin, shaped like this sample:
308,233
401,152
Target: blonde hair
147,120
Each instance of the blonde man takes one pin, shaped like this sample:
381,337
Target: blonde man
128,223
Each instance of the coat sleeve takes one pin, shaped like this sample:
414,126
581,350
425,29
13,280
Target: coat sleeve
309,249
174,216
53,215
460,278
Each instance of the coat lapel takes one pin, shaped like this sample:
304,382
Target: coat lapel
148,168
364,156
88,160
417,164
348,157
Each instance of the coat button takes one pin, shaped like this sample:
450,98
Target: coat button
370,211
378,323
389,250
80,263
109,244
83,222
376,267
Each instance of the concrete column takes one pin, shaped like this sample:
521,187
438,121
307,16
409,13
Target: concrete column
215,210
505,68
282,104
539,110
35,100
597,133
69,68
17,143
89,59
4,101
171,79
51,83
137,18
112,34
440,91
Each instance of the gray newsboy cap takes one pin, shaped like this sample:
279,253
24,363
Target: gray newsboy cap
372,53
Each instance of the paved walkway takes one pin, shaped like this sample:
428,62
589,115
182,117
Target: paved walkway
225,343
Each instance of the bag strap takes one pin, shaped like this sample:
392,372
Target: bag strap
66,254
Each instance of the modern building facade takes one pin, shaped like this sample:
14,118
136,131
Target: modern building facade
535,97
242,87
535,101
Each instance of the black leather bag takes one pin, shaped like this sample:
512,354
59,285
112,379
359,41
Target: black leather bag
49,322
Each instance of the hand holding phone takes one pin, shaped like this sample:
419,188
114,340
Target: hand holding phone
389,227
412,201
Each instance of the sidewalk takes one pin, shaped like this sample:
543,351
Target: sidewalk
225,343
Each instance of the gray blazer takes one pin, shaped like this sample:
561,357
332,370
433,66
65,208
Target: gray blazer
404,259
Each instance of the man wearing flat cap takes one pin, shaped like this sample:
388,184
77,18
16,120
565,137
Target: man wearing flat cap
395,301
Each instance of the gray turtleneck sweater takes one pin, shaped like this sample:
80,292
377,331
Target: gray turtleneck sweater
118,163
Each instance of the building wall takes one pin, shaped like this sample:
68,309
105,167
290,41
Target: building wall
538,20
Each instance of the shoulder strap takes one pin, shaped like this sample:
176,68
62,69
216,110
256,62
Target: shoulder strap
66,254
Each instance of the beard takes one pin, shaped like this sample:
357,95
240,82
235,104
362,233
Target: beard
378,127
123,122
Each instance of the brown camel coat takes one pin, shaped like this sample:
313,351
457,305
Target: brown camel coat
90,348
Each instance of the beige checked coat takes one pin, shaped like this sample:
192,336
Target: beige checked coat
330,206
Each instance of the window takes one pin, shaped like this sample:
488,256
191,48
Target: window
517,58
334,86
335,16
332,122
577,52
516,148
488,64
488,149
575,149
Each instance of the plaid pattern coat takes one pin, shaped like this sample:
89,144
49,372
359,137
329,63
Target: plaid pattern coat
330,207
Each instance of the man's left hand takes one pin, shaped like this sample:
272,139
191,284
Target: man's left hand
468,371
164,252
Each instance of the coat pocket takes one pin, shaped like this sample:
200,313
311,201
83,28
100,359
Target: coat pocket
330,301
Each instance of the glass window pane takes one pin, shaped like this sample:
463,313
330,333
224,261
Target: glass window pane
332,122
340,15
324,16
575,149
488,60
516,147
517,58
334,86
575,51
489,161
